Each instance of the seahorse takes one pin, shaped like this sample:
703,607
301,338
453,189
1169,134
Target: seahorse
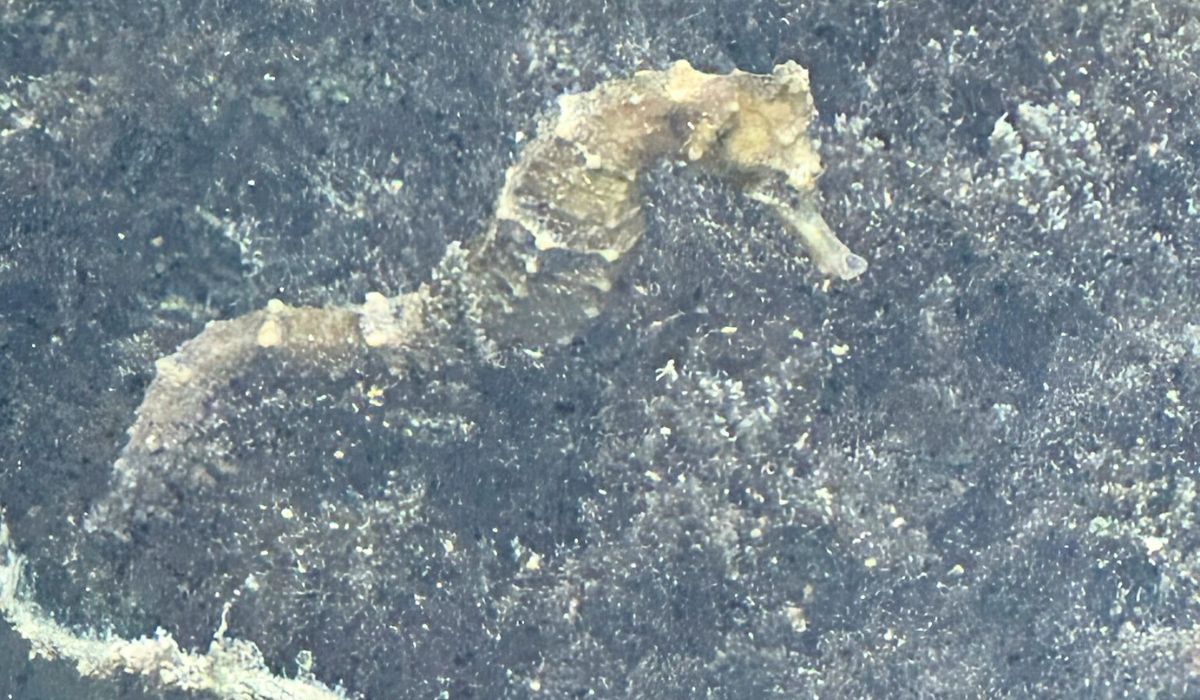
566,219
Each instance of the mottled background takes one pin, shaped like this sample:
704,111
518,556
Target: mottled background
972,472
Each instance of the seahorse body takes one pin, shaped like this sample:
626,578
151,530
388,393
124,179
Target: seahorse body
570,209
567,217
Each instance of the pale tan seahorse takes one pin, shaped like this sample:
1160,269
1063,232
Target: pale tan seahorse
565,221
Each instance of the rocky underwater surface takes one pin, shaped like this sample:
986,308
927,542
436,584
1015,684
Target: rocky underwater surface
969,471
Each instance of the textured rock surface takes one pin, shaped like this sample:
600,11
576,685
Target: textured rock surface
973,468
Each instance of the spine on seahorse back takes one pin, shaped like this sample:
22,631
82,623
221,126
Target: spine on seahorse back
570,210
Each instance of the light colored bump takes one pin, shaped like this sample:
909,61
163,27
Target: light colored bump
275,306
378,323
376,303
543,240
270,334
376,338
173,371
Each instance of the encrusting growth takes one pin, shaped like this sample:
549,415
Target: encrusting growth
565,221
